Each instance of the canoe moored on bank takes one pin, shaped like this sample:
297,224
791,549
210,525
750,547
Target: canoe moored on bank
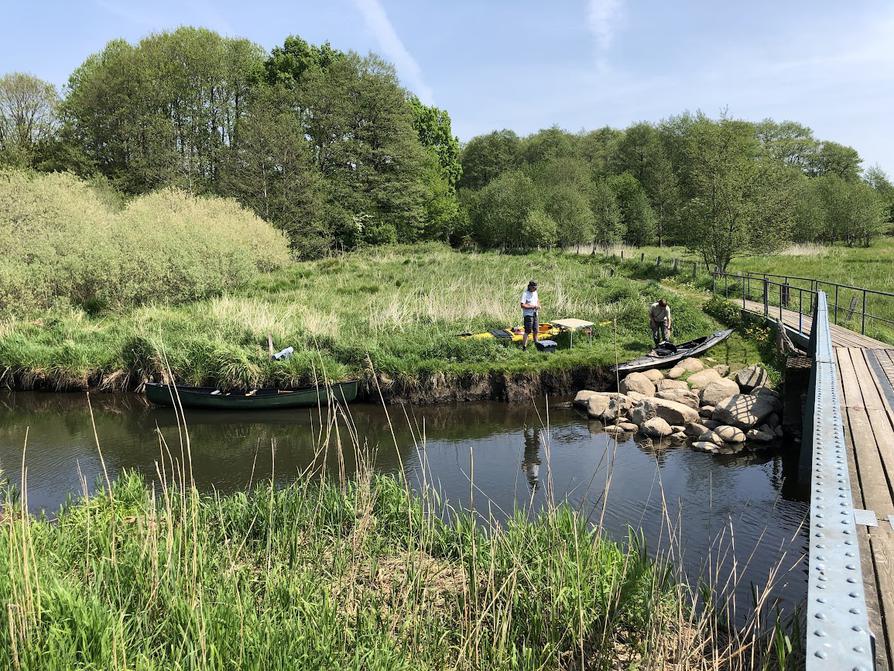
665,356
257,399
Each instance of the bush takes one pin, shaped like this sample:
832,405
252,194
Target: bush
724,311
62,240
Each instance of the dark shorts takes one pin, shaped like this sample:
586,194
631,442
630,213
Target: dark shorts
531,323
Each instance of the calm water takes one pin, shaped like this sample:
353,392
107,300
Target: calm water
707,511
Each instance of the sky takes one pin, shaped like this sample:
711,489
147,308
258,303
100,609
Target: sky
526,64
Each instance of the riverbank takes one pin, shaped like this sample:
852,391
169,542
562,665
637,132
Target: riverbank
331,574
388,316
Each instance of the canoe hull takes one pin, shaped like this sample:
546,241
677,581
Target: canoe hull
692,348
263,399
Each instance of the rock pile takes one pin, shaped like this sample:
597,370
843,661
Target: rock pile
719,412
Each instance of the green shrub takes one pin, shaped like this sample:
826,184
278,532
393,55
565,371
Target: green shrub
62,240
724,311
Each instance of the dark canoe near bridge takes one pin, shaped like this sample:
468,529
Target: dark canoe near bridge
260,399
667,356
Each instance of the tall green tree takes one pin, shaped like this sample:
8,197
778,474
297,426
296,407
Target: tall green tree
28,118
608,228
164,111
831,158
878,180
485,157
637,217
503,205
568,207
742,200
853,212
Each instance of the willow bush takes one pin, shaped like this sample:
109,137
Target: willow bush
62,241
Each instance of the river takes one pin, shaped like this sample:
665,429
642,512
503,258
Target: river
712,515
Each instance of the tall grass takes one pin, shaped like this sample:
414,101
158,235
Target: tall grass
336,573
400,307
64,242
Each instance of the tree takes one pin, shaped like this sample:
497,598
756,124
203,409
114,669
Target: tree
435,134
788,142
287,64
165,111
547,144
878,180
742,199
487,156
537,230
853,212
831,158
608,229
27,117
502,207
637,217
272,171
568,209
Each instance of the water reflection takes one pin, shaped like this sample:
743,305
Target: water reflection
489,457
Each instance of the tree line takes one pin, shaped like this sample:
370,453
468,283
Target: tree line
329,147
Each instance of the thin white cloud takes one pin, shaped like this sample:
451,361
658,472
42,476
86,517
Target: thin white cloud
602,18
378,23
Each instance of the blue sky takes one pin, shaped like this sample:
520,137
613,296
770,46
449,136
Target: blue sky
527,65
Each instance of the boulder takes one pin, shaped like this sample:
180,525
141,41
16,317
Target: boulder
743,411
674,412
628,426
751,377
716,391
731,448
678,437
664,385
773,421
706,411
581,398
683,396
676,428
762,435
635,396
637,382
705,446
691,365
710,423
779,432
643,411
695,429
730,434
613,430
676,372
722,369
656,428
703,378
769,395
654,374
596,406
711,437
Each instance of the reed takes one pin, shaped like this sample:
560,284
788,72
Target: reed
360,573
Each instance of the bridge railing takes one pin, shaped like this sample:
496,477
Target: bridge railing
838,635
775,297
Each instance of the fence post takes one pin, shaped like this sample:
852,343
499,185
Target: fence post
725,285
675,265
713,283
743,294
694,269
622,254
836,304
658,262
642,257
863,319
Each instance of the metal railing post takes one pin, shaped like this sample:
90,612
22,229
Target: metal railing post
766,298
780,302
800,310
836,304
863,317
743,295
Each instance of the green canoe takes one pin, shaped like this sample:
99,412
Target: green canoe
260,399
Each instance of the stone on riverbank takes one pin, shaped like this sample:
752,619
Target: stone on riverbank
706,411
674,412
730,434
656,428
676,372
643,411
703,378
613,430
654,374
628,426
705,446
637,382
596,406
711,437
718,390
683,396
691,365
764,434
743,411
664,385
721,368
751,377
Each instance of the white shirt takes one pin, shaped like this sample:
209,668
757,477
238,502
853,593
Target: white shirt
530,297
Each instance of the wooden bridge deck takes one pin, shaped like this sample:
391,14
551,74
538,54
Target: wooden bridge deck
866,394
841,337
867,399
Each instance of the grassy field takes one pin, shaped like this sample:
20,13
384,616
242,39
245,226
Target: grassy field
334,575
862,267
396,311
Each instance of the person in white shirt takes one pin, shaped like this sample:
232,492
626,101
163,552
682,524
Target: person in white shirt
660,321
530,304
